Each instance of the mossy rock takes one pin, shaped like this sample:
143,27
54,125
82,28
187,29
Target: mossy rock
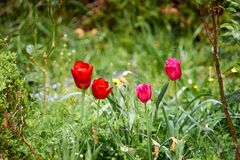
14,101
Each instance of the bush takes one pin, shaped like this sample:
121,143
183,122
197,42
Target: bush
13,100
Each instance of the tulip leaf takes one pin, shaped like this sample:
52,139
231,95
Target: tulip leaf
189,116
169,124
131,119
116,107
160,96
96,152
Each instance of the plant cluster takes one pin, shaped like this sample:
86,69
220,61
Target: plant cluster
82,73
135,111
14,102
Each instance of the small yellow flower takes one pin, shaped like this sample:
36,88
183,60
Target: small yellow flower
195,86
116,81
121,80
211,79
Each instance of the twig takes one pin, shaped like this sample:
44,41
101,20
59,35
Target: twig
203,18
213,38
50,13
45,76
8,124
26,156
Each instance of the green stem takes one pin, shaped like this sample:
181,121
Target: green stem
50,12
177,122
175,89
98,107
45,76
83,105
149,134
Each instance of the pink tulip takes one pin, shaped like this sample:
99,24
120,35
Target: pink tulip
144,92
173,69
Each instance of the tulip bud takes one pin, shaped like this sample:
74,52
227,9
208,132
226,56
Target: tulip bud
173,69
144,92
100,88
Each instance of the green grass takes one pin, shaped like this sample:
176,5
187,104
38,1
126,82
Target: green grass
61,134
56,130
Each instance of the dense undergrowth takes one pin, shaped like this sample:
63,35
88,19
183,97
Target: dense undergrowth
14,100
127,42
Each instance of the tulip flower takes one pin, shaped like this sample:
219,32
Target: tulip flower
173,69
100,88
144,92
82,74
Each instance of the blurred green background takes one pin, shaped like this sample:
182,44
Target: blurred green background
48,36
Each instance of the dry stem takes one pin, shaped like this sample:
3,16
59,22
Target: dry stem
213,39
8,124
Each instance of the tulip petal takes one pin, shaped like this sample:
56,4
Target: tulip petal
100,88
173,69
144,92
82,74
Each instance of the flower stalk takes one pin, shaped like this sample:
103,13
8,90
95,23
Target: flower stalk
177,122
83,104
98,107
149,132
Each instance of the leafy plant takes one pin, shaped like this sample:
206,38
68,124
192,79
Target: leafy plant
13,101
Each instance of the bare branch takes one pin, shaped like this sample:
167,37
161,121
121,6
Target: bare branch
203,18
11,127
213,39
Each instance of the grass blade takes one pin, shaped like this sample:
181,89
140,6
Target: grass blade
160,97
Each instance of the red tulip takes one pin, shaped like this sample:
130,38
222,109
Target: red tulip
100,88
173,69
144,92
82,74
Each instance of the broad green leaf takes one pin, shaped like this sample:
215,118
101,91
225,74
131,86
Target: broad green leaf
230,9
227,26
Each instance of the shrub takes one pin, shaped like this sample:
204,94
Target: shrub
14,101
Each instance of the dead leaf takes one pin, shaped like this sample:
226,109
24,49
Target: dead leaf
156,151
94,135
173,146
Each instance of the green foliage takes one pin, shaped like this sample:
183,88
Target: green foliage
231,29
131,35
13,100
